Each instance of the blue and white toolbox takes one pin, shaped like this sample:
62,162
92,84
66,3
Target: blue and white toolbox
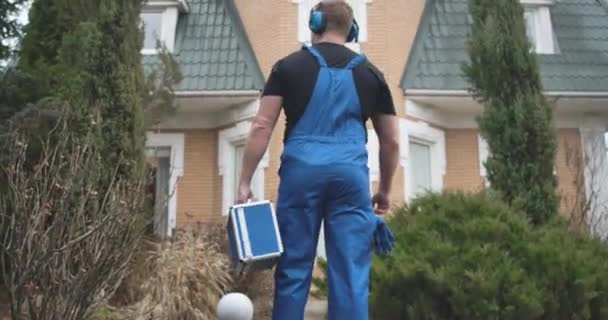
253,232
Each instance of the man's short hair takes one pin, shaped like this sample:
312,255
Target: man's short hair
339,15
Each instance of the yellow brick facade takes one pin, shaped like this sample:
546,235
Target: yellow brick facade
199,190
271,27
462,164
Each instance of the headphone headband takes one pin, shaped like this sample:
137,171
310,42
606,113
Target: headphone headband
317,23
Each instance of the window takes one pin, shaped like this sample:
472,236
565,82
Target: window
605,151
539,27
230,158
159,22
530,19
151,24
594,139
373,159
158,189
482,149
359,10
165,151
420,168
426,158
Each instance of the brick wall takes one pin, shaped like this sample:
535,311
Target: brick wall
199,193
271,26
462,155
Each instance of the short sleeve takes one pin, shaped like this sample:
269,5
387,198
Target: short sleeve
274,83
384,99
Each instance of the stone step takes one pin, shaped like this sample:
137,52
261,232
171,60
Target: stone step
315,309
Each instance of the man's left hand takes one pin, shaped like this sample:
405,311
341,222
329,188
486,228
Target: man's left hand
245,193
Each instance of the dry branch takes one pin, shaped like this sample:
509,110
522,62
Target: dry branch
67,234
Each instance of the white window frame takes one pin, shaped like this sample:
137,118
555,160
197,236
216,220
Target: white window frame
423,133
540,12
373,158
169,11
175,143
359,10
228,140
483,154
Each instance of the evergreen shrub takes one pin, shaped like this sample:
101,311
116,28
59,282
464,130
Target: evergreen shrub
469,256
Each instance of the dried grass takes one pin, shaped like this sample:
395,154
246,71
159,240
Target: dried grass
186,278
258,286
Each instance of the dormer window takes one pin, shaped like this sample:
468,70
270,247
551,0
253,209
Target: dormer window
359,10
159,21
606,143
152,26
539,26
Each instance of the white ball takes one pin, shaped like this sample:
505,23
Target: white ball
235,306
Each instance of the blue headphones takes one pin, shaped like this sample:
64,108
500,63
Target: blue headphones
318,22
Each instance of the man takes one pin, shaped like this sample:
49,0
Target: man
327,92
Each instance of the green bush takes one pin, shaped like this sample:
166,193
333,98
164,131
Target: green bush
320,284
461,256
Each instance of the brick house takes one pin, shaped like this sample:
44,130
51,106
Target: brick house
226,49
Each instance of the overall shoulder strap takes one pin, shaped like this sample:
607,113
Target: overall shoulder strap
317,56
360,58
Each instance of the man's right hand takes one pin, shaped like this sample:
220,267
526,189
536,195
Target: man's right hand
381,202
387,129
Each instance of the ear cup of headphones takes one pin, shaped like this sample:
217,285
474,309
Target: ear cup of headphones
317,21
353,35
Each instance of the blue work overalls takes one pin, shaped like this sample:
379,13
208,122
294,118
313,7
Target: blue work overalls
324,177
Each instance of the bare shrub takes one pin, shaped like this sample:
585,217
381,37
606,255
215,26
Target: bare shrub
589,204
66,234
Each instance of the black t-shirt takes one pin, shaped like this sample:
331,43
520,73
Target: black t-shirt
294,78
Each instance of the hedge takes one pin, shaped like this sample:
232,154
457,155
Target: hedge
469,256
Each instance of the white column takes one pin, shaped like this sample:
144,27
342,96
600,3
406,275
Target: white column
595,160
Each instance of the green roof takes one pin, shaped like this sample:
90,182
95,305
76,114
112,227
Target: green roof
581,64
212,49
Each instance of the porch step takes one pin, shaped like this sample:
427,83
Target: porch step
315,309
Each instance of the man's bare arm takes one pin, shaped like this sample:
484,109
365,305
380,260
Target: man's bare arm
259,135
387,129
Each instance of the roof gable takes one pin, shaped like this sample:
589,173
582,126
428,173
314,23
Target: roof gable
581,28
213,50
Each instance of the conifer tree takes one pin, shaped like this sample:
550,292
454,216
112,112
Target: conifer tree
79,68
86,54
10,27
517,119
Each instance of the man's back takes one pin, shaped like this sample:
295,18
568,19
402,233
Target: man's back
295,77
327,92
